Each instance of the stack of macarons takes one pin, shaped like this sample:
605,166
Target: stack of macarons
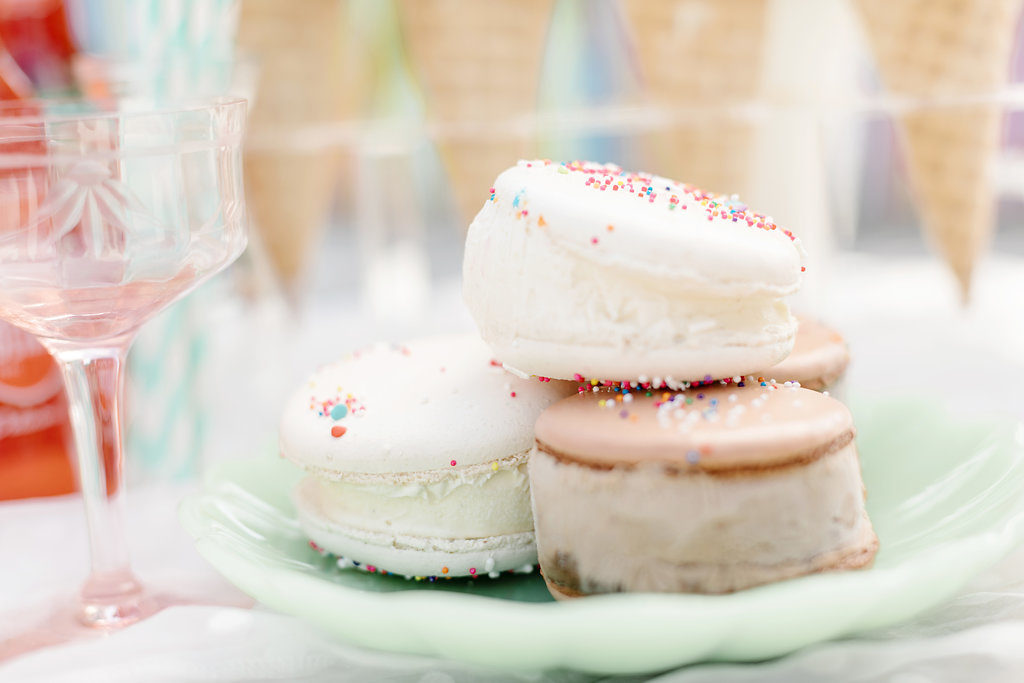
616,420
692,458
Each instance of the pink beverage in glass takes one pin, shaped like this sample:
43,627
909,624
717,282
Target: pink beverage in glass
106,217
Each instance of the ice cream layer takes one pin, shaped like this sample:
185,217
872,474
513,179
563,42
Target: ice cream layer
484,500
585,269
640,529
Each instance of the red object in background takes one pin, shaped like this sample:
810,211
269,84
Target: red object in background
35,438
14,84
36,445
36,34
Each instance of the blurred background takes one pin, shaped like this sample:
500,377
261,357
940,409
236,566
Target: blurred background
888,135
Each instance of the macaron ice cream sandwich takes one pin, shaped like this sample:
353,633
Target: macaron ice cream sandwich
710,490
416,459
583,269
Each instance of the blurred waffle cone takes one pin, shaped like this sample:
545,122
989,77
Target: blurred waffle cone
289,195
304,81
939,49
479,67
698,57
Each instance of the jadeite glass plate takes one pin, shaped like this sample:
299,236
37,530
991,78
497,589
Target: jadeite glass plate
946,496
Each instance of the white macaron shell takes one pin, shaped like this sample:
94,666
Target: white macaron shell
649,232
431,405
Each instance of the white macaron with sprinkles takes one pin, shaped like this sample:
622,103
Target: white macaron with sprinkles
585,269
416,457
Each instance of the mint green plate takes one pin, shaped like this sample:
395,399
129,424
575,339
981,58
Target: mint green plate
946,496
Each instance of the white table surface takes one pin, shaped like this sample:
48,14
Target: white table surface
906,335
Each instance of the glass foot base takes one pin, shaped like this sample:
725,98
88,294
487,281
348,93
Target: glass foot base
115,600
65,621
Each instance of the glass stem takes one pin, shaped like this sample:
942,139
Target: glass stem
94,380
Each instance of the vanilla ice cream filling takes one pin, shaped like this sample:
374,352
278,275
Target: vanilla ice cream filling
641,312
492,499
695,531
542,300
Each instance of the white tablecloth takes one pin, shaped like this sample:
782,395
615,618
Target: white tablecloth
916,340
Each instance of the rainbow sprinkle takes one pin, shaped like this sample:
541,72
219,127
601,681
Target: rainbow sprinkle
674,196
336,407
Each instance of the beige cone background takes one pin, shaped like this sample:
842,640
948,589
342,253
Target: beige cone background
697,54
477,63
304,79
947,48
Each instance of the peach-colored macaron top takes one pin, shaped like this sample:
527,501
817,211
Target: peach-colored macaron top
819,356
712,428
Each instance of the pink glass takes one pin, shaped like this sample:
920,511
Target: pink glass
109,213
